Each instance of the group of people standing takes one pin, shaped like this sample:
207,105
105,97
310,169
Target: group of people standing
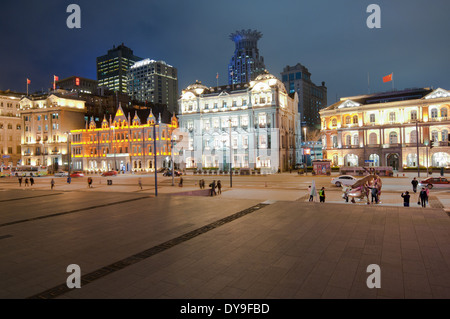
312,193
422,199
28,182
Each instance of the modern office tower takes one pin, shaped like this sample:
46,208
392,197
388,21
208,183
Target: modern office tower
112,68
255,125
246,63
401,129
10,128
46,123
311,98
153,82
78,84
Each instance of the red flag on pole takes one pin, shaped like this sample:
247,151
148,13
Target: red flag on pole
28,81
217,75
55,78
387,78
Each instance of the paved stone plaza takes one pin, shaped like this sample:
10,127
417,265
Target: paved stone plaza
246,243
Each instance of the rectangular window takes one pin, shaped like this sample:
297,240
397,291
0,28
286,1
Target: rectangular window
298,75
291,77
244,102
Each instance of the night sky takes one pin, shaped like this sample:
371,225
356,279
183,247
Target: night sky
329,37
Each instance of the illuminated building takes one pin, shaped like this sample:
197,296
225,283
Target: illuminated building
264,122
123,143
311,98
10,128
385,129
246,63
78,84
112,68
155,82
46,121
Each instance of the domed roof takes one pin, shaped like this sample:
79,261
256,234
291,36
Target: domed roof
196,85
265,76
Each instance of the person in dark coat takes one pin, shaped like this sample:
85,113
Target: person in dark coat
406,198
219,187
423,197
31,181
20,180
414,183
213,188
26,181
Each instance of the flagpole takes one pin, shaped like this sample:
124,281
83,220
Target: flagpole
27,87
392,81
368,82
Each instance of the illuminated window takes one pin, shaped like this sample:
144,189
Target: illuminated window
347,120
392,117
413,115
444,112
334,122
372,118
434,113
393,138
355,119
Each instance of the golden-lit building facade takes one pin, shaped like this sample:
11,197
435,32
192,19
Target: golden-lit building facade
388,129
46,122
123,143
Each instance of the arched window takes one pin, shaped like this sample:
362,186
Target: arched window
392,117
355,119
348,140
413,136
334,122
444,135
335,160
393,138
434,113
444,112
355,139
440,159
334,141
351,160
347,120
375,160
435,136
373,138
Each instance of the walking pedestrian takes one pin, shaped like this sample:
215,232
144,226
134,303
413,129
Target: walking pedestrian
180,184
89,182
219,187
140,183
52,183
423,197
26,181
414,183
31,181
406,198
311,196
20,180
322,195
213,188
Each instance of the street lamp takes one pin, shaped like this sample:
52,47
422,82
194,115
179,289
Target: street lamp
231,159
68,152
172,141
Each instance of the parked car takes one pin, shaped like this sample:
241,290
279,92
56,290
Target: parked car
77,174
61,174
438,182
346,180
169,173
109,173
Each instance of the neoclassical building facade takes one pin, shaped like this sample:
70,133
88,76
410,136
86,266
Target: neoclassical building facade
259,120
389,129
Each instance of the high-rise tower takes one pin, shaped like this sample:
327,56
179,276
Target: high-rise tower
246,63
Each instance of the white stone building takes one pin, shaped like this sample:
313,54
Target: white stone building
260,116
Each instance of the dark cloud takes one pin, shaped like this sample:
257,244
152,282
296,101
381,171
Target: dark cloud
329,37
